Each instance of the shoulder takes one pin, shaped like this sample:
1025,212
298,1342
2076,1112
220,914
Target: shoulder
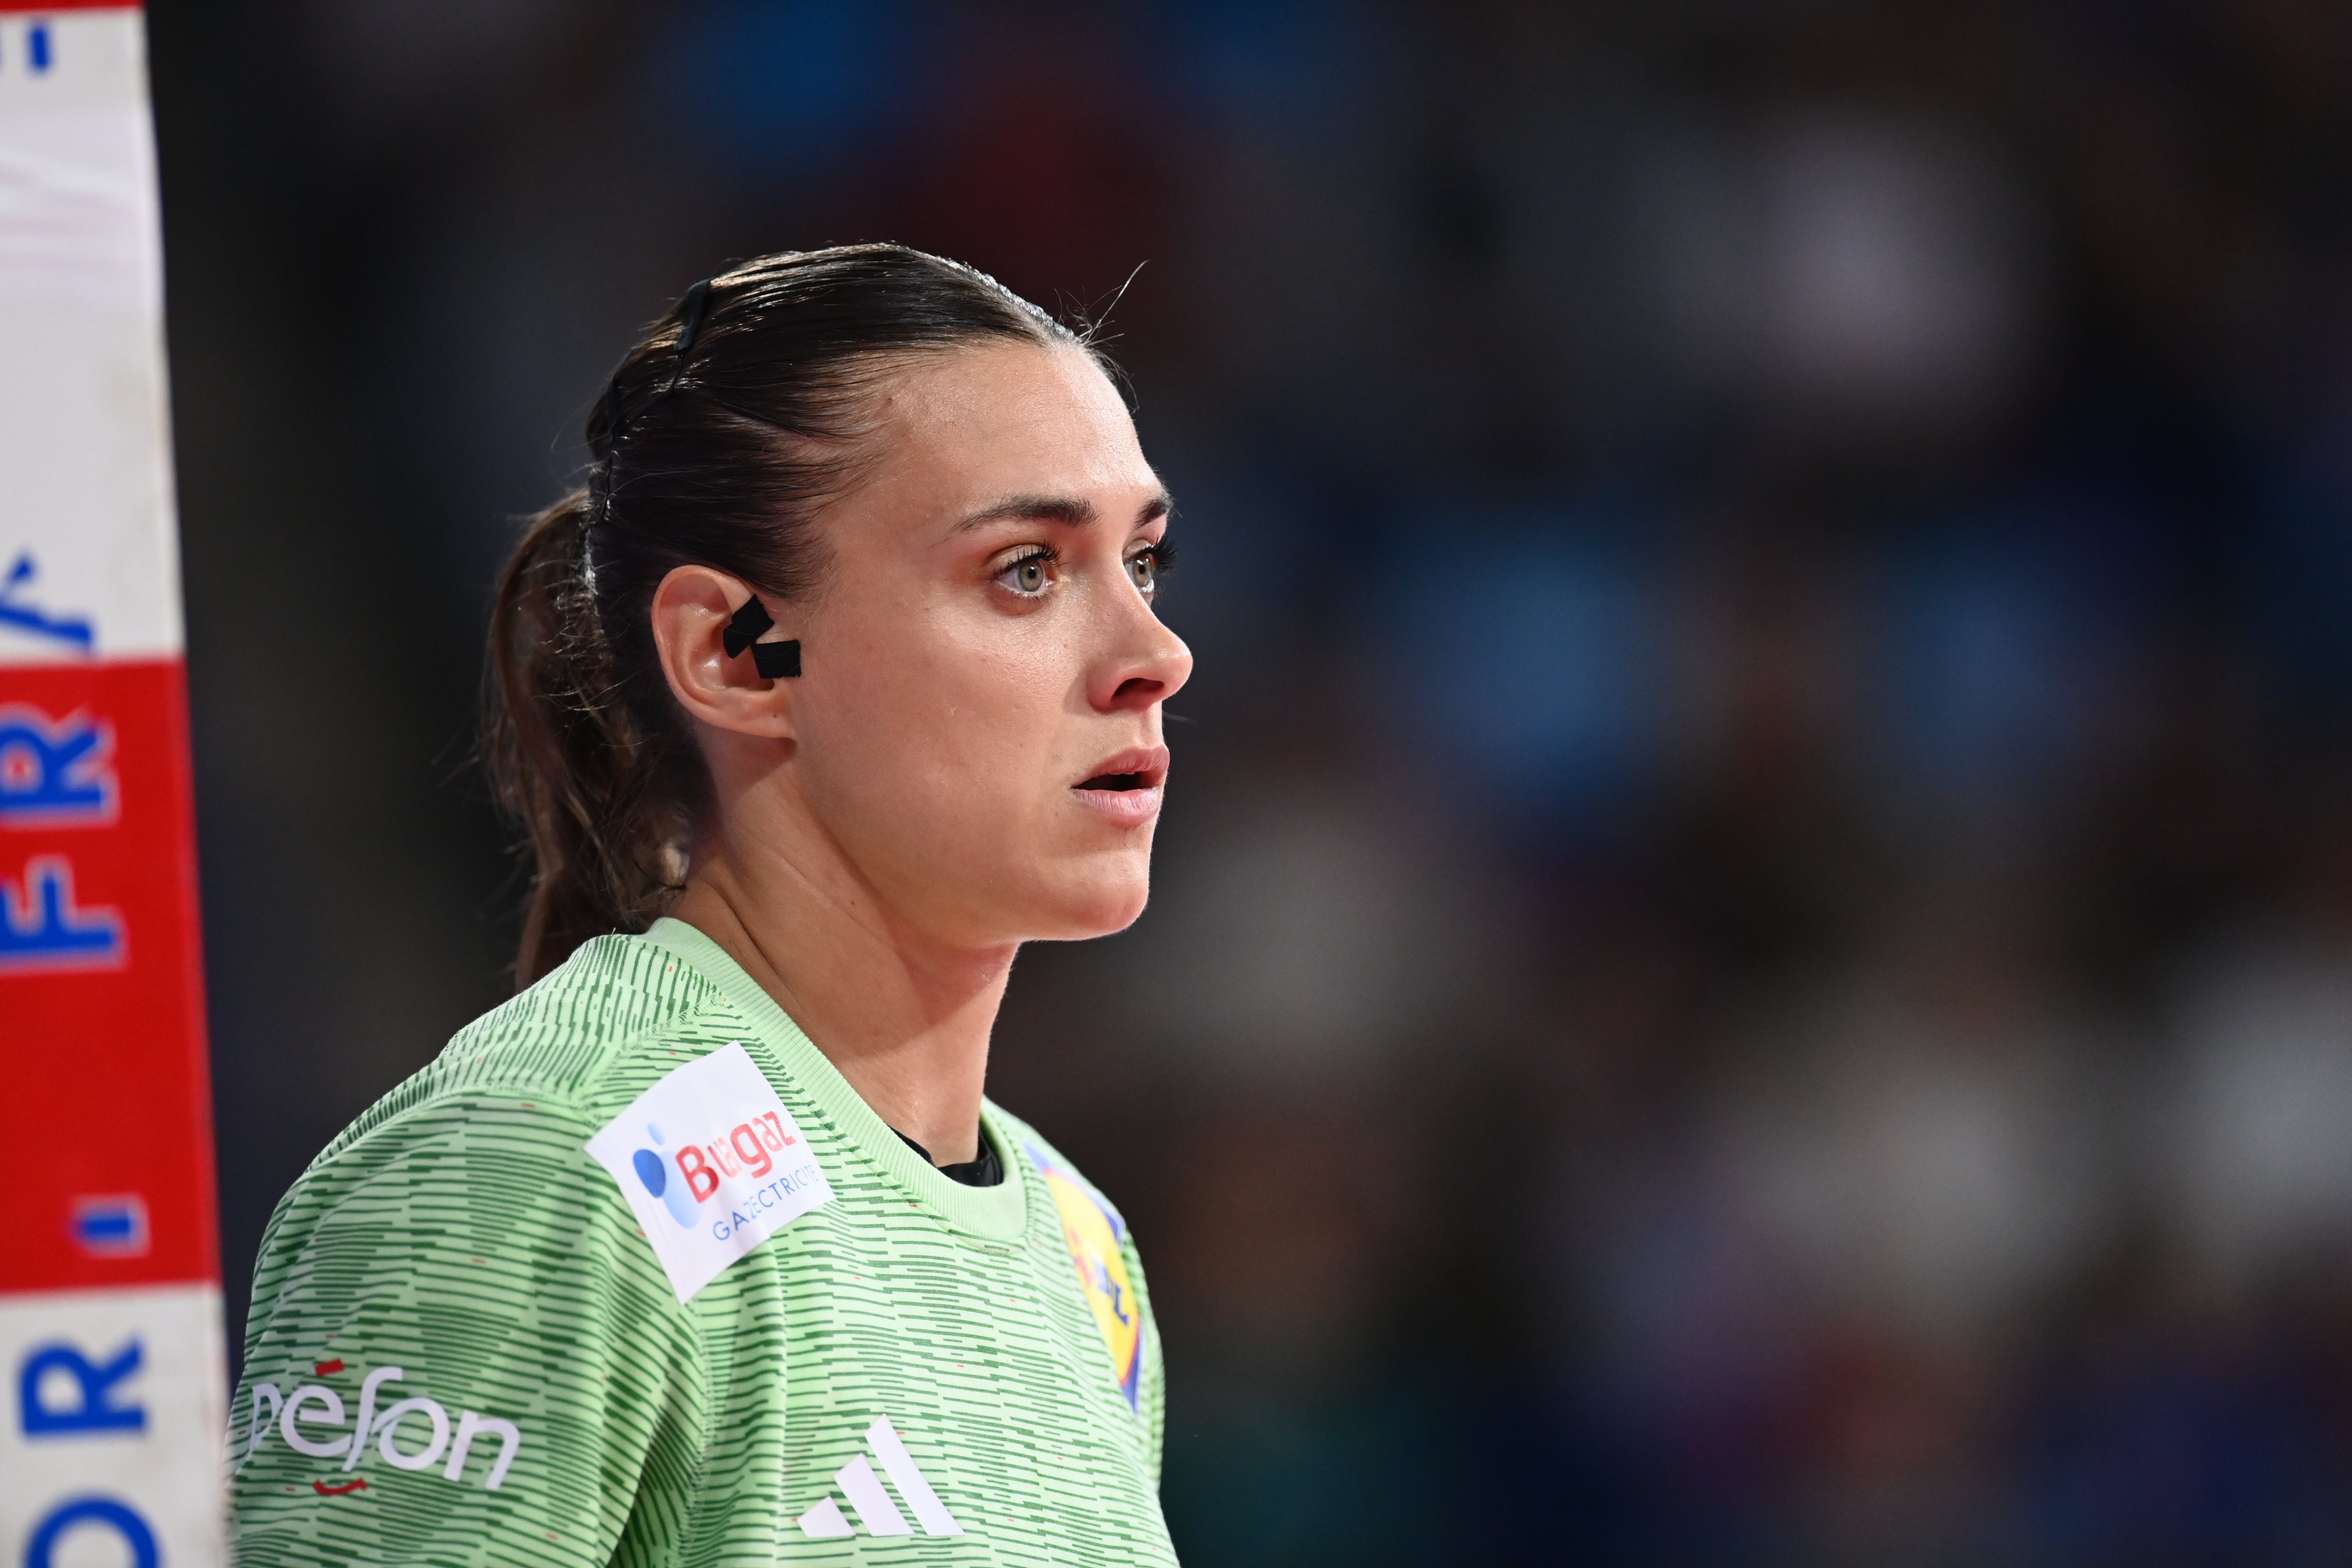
467,1195
458,1268
508,1105
617,1010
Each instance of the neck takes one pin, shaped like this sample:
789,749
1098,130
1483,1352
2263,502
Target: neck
905,1019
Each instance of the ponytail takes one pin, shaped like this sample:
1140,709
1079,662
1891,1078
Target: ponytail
567,759
722,435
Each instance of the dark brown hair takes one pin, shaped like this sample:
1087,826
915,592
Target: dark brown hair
720,456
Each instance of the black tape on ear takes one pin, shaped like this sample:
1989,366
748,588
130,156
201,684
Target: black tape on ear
745,628
777,660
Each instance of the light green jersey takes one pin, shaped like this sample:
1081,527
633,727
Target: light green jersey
464,1347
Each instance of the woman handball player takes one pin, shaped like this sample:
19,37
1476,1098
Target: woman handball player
838,680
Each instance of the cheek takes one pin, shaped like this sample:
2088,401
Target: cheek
946,781
944,739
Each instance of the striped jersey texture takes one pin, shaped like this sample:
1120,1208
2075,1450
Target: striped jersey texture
915,1372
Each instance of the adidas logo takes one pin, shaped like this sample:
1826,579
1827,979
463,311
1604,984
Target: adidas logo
871,1503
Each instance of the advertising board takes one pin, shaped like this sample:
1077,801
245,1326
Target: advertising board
109,1294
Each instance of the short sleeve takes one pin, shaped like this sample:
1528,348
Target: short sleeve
460,1351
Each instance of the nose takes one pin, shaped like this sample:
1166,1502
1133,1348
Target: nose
1147,663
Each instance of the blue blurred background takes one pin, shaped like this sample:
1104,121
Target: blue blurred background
1753,952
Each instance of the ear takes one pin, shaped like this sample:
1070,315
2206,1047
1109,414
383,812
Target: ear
690,612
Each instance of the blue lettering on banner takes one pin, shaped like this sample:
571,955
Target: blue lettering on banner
40,928
54,775
93,1409
39,1553
14,612
113,1225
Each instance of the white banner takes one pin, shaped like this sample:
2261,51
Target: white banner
112,1448
89,553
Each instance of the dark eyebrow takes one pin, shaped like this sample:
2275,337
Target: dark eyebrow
1072,512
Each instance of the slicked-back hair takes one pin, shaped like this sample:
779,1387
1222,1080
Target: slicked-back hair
720,456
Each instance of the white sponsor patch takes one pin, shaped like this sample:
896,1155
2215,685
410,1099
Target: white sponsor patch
711,1163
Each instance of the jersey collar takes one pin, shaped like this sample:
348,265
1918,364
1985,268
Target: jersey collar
999,1212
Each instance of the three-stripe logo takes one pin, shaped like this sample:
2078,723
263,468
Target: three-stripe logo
872,1503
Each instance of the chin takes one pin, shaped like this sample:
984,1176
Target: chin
1102,908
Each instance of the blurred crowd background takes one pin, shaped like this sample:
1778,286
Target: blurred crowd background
1752,957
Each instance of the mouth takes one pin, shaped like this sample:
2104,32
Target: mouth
1125,788
1141,769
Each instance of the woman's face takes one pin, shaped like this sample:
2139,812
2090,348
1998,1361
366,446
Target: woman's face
977,728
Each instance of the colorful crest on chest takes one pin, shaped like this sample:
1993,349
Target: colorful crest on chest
1093,1232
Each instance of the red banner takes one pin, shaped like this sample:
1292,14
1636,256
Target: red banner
107,1167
